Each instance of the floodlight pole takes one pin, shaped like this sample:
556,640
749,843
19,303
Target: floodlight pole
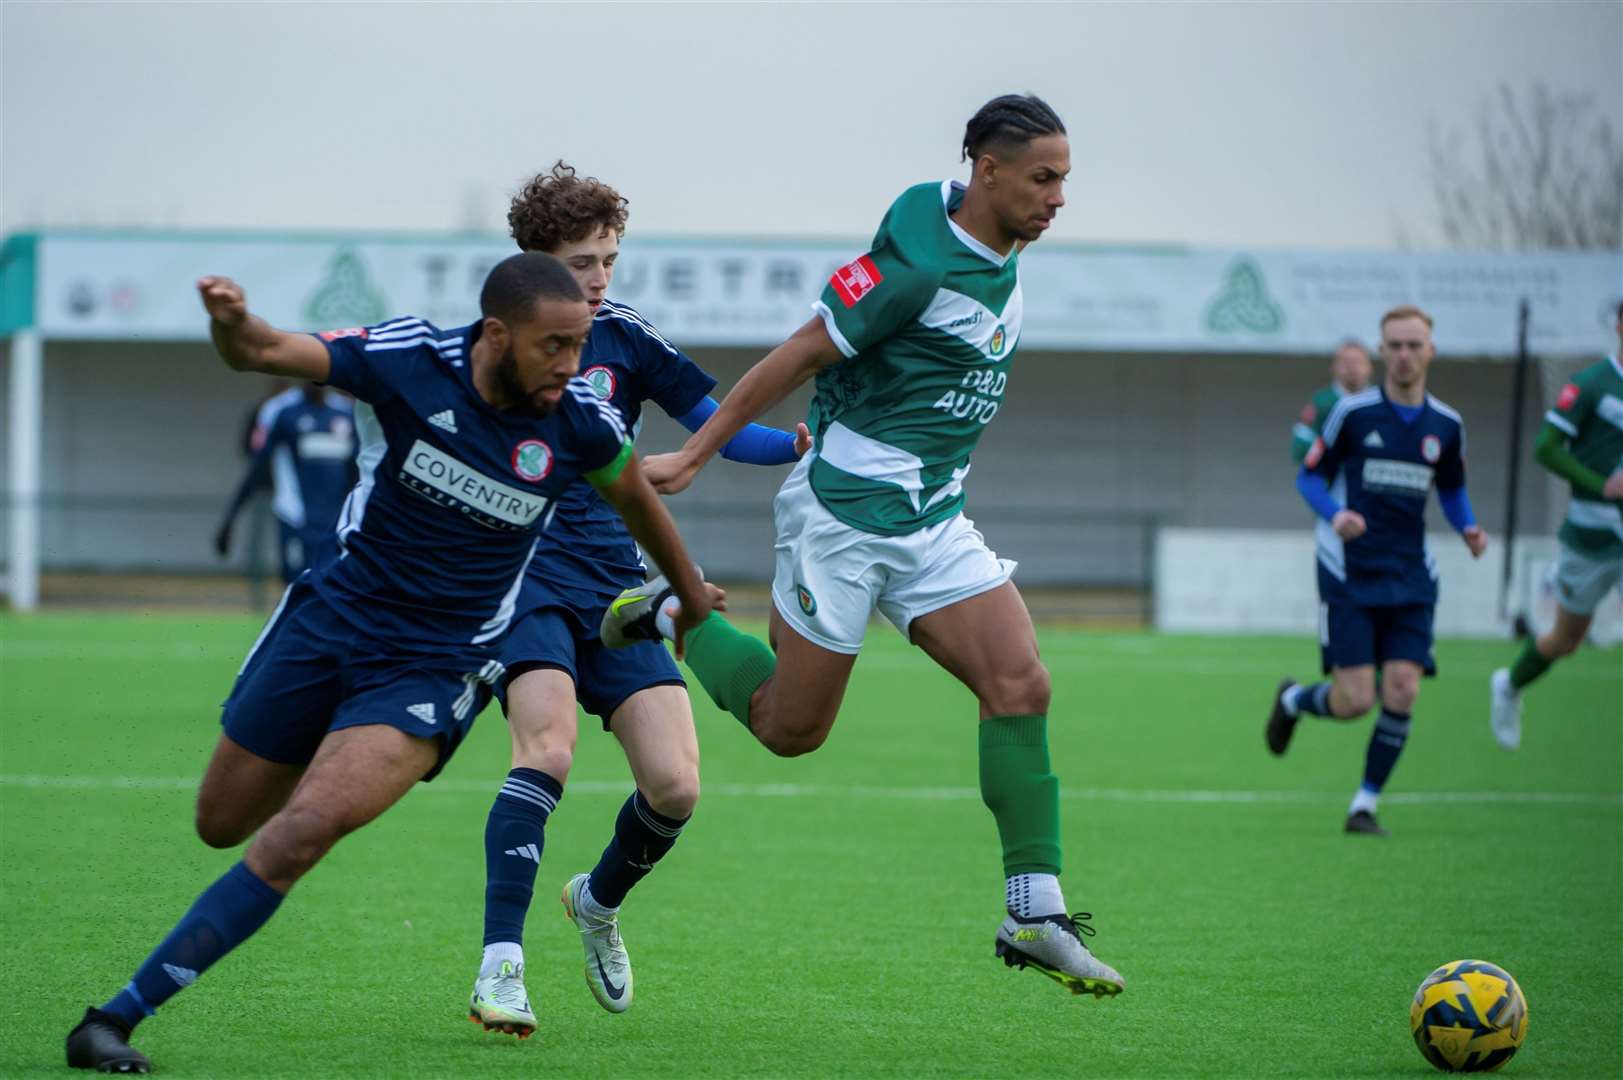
27,401
1518,394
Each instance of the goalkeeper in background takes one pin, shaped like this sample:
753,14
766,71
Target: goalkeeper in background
1582,443
1349,373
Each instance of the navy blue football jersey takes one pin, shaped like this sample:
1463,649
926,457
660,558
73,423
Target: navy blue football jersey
309,450
587,554
1384,467
453,493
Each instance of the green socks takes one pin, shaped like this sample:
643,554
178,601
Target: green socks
1021,792
1529,665
730,664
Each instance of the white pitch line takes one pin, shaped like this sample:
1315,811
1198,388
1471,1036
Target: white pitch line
925,794
1106,654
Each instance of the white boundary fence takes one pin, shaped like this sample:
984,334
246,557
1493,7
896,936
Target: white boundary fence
1232,581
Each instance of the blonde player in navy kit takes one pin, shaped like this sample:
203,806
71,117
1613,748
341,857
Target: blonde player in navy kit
374,666
1368,477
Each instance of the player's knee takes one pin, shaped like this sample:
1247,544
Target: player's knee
548,750
786,741
1398,695
294,841
555,760
1558,645
675,794
219,831
1354,701
1025,691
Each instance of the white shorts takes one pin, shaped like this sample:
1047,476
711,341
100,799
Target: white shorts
830,576
1582,581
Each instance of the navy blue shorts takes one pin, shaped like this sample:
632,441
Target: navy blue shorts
311,672
566,639
1351,636
303,549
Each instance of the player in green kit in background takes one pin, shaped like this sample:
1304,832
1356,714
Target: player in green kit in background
1349,373
1581,442
911,348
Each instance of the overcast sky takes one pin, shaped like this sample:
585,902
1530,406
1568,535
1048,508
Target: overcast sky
1212,124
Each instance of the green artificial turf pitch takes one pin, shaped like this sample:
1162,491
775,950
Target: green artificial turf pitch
833,915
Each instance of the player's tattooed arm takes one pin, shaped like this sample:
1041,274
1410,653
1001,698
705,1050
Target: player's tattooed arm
248,343
808,351
651,526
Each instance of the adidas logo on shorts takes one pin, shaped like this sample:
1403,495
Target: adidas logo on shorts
423,712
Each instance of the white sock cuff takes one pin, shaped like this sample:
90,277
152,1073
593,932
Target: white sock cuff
589,903
665,620
511,951
1031,895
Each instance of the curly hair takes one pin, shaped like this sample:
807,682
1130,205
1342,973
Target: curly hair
558,207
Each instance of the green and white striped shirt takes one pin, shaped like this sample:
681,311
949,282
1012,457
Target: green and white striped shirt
928,320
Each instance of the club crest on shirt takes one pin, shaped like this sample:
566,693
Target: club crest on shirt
601,380
1569,397
998,339
532,459
1431,448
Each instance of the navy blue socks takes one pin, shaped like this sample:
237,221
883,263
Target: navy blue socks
642,836
1313,700
1385,744
514,835
223,917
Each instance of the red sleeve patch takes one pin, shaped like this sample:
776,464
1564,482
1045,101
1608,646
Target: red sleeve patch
1308,413
334,335
1314,453
855,280
1568,397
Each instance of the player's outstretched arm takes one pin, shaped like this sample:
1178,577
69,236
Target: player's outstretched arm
807,352
756,444
248,343
651,526
1551,451
257,476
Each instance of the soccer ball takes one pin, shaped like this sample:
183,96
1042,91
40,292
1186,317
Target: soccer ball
1468,1016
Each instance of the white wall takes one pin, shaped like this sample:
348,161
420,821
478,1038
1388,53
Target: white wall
1265,581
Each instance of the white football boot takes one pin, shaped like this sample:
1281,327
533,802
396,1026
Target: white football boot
1052,944
1505,710
608,968
500,1002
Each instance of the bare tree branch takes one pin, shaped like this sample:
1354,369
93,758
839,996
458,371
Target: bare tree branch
1548,173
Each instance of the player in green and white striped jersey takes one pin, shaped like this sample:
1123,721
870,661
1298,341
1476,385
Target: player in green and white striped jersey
1349,373
911,348
1581,442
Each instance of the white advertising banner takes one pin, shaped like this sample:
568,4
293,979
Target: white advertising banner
698,293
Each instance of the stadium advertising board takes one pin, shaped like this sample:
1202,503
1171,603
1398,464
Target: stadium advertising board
752,294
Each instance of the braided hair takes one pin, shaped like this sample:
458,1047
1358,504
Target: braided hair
1007,122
